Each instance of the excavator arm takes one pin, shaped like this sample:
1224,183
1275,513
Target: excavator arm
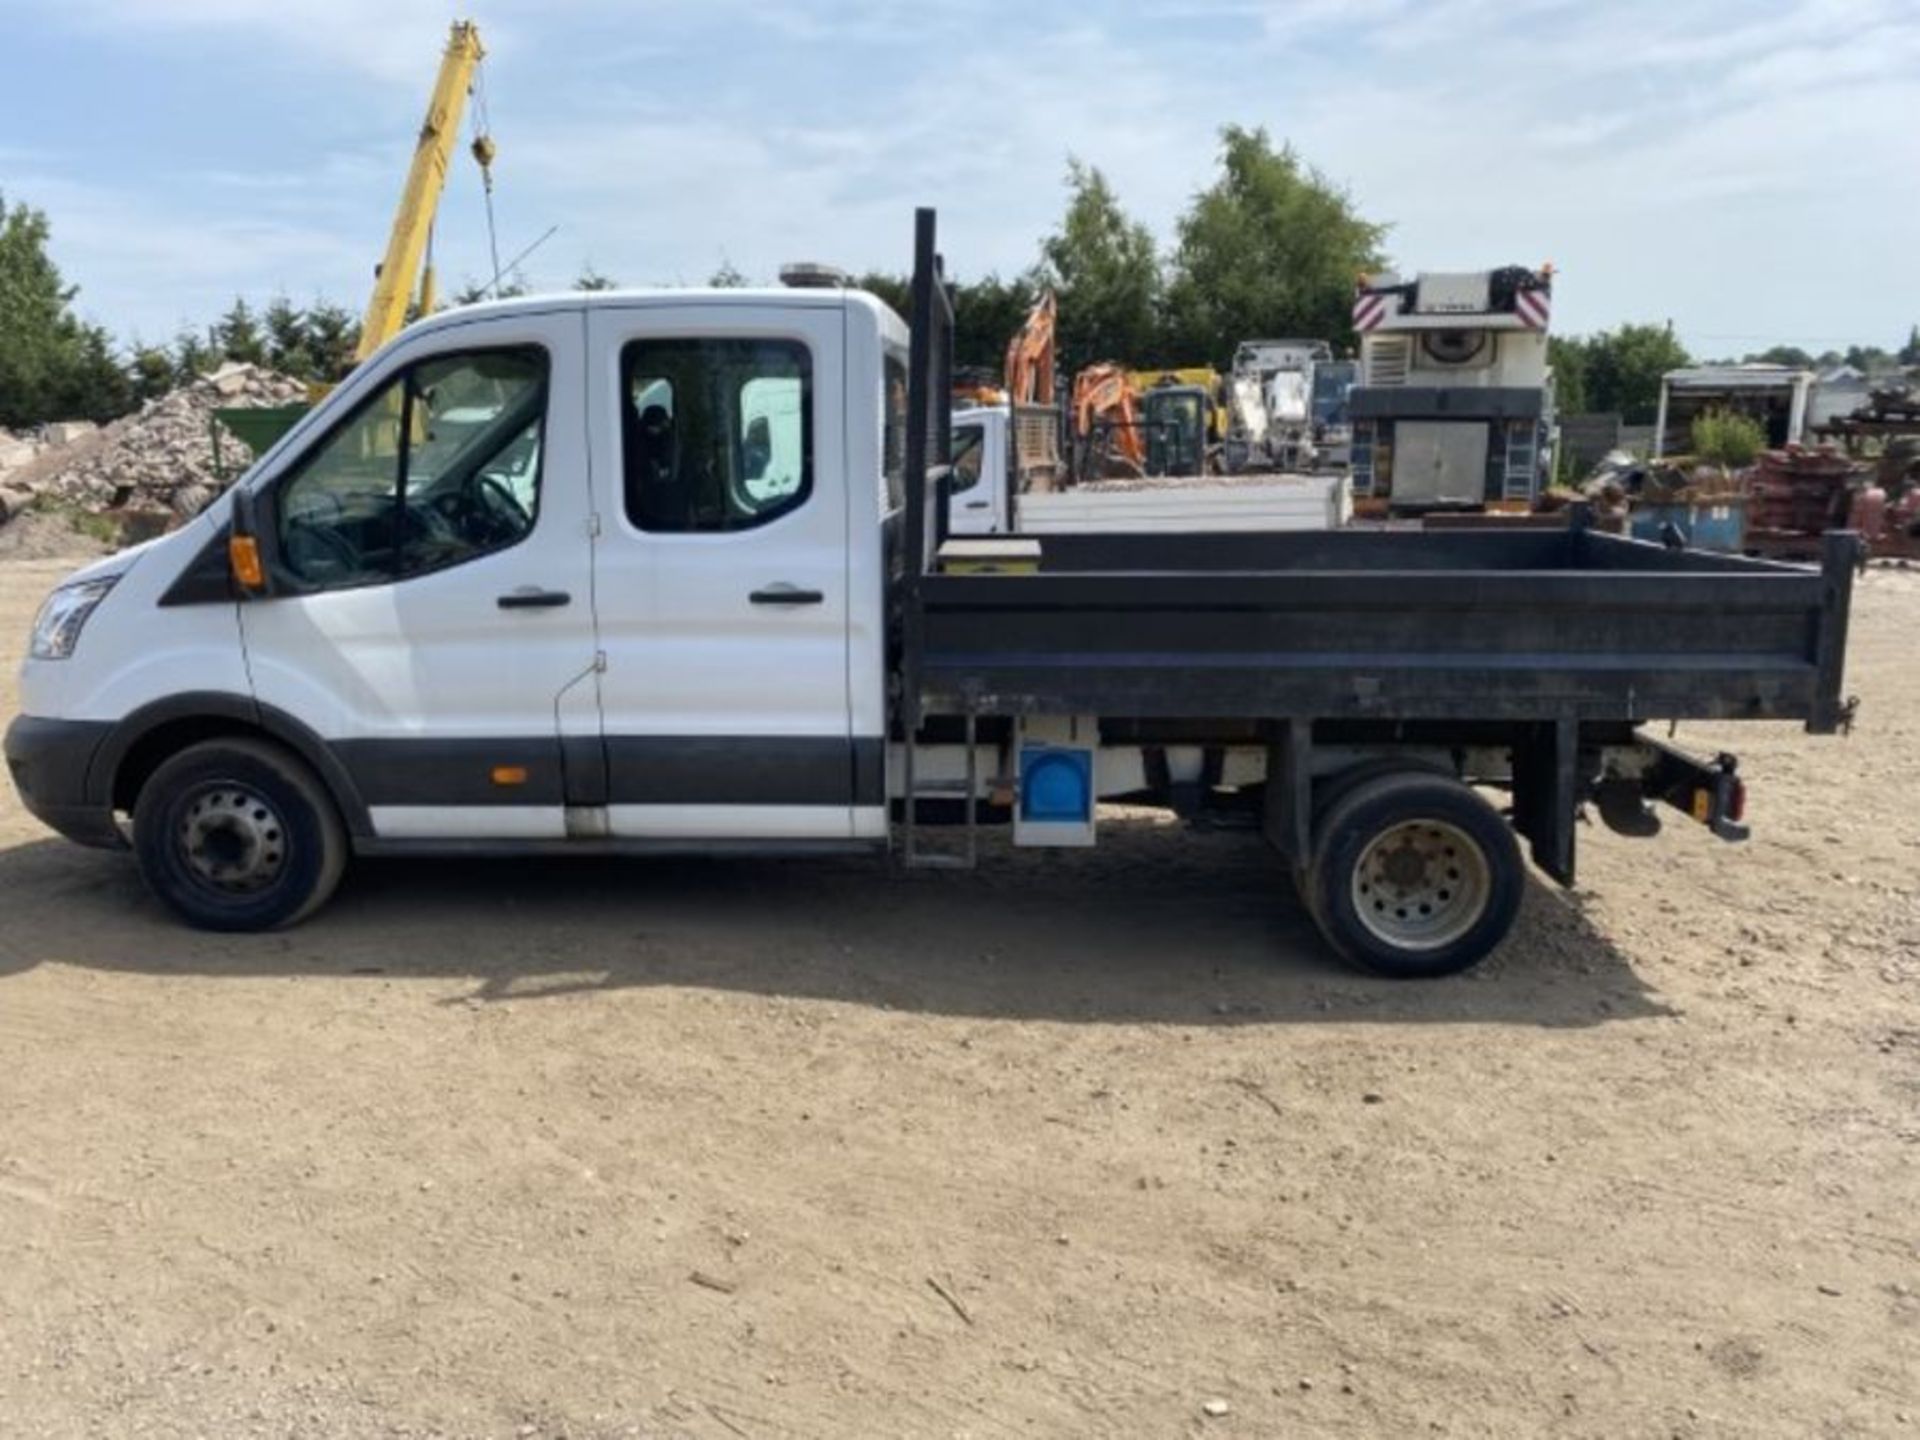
1029,368
394,283
1104,394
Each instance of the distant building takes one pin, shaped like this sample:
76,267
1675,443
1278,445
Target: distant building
1836,393
1778,396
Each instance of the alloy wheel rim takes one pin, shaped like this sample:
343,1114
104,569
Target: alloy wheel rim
1421,884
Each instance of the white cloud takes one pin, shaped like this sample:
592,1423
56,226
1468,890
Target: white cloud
385,39
1710,162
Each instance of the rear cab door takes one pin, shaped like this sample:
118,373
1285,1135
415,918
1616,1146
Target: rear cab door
721,579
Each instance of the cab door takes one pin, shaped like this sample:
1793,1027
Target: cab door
721,578
431,617
978,504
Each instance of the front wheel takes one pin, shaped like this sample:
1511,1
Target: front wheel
238,835
1413,876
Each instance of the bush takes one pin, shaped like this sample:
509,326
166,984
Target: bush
1729,440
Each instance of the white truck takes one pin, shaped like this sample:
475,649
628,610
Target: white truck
646,571
989,495
1454,405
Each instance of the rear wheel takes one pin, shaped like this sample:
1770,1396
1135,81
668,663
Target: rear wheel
238,835
1413,876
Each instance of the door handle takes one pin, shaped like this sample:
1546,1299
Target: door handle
785,594
532,597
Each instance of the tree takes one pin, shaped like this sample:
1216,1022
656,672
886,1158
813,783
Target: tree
52,366
1567,358
985,316
1272,247
727,277
591,280
985,313
510,286
93,383
1910,352
1870,359
237,336
1624,367
333,334
1789,355
1101,264
1727,438
192,356
149,372
289,347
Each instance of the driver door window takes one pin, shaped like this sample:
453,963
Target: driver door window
441,466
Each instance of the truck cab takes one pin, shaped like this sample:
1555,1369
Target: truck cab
542,570
1453,406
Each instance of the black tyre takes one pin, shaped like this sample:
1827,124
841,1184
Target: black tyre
238,835
1414,876
1329,792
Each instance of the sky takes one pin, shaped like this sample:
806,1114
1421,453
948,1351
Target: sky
1746,171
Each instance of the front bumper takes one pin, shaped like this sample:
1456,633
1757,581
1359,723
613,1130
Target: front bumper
50,762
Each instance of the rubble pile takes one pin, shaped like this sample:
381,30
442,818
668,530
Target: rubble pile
20,448
154,468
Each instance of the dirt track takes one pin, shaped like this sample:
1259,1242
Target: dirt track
1074,1145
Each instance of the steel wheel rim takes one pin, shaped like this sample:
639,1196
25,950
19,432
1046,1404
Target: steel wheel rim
232,839
1421,884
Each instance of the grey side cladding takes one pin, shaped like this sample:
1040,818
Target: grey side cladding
745,770
639,770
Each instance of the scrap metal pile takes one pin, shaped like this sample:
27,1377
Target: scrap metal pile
1864,475
1795,496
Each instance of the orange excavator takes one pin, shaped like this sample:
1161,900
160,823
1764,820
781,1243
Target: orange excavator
1104,398
1029,368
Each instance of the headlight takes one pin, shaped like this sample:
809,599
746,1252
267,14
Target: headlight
56,629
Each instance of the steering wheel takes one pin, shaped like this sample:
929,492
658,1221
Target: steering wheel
502,503
487,513
312,548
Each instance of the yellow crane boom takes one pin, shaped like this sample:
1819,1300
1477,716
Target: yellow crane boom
393,288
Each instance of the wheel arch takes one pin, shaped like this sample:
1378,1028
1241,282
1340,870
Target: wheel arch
144,740
1334,786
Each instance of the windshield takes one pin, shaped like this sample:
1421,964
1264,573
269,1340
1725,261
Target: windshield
1330,385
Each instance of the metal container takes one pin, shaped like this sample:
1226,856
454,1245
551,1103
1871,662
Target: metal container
1707,525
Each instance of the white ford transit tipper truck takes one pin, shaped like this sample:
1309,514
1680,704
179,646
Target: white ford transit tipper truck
639,572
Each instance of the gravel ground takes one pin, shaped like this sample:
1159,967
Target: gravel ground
1093,1143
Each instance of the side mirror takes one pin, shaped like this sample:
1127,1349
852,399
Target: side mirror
244,561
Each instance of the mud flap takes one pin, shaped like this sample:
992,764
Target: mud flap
1546,794
1287,820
